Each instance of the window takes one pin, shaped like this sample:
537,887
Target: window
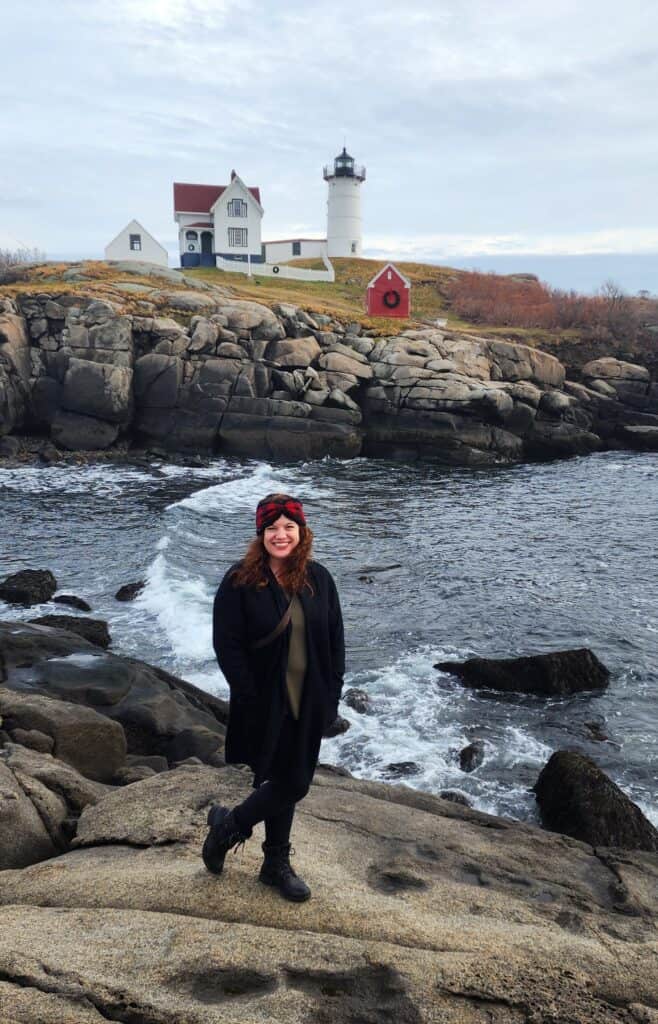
136,243
353,246
237,237
237,208
191,236
296,248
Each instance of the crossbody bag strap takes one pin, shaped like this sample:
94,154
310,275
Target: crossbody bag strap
278,629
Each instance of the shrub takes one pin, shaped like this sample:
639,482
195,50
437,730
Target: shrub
14,264
524,301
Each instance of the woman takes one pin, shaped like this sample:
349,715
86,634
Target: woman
278,637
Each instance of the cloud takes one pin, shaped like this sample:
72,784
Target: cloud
446,246
486,126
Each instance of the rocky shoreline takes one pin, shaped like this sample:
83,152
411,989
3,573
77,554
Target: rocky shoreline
183,366
107,769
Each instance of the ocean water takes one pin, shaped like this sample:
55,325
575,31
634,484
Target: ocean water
494,562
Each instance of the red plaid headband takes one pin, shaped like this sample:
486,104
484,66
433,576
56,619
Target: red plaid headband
269,510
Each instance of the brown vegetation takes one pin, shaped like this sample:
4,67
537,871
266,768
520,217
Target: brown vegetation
524,301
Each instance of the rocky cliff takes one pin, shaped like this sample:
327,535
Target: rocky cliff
175,362
423,911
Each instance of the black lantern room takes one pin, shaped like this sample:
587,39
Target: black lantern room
344,167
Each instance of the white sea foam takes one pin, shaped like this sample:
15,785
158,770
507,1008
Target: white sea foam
215,469
519,747
243,491
413,719
106,481
403,725
182,605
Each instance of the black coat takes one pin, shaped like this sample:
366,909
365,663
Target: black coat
257,678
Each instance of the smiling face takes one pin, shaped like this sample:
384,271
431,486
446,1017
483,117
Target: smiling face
281,538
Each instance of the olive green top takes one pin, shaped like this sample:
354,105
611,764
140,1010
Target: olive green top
296,656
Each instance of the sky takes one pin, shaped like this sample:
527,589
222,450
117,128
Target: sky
495,134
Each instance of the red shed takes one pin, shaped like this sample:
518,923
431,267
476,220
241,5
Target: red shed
389,293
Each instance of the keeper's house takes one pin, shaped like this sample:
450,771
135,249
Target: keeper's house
218,220
225,221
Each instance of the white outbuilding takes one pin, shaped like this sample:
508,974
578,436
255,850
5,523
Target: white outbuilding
136,243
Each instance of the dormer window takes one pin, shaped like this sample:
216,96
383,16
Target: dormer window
236,208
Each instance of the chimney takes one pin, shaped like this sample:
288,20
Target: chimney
233,175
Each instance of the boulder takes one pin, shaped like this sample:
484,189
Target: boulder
128,774
98,389
15,372
551,439
29,586
337,362
34,739
24,838
93,630
408,927
165,328
82,433
515,362
153,761
471,756
253,317
204,336
577,798
129,591
402,769
610,369
185,301
455,797
157,380
629,383
294,351
357,699
642,438
90,742
159,713
560,673
111,333
72,601
52,789
337,727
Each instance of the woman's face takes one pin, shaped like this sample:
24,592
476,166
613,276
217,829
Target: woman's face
281,537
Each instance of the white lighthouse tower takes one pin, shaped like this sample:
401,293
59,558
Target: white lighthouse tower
344,206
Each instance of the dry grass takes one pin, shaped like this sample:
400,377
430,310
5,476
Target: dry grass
343,300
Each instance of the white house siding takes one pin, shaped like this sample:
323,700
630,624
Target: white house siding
150,252
237,190
344,217
281,252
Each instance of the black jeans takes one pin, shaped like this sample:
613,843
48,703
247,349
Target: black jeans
274,801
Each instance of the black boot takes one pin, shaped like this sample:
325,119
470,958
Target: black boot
277,871
224,833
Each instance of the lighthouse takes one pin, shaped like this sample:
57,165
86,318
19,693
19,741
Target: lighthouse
344,206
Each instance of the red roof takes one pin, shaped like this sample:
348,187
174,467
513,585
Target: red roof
200,198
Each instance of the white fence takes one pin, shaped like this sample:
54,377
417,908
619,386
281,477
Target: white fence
278,270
